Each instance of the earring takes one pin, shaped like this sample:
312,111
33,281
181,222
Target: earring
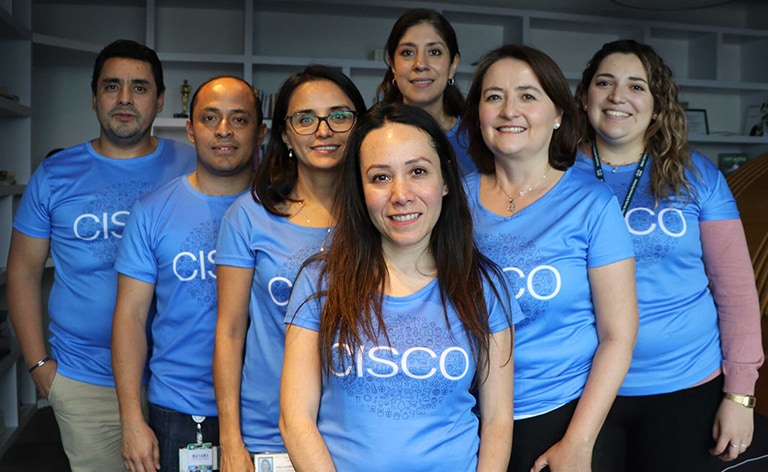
394,82
451,81
290,153
557,125
655,115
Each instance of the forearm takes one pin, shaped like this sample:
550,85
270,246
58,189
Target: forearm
26,264
609,367
732,282
305,445
227,375
495,445
129,356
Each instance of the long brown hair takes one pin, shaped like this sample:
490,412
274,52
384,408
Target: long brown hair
666,139
354,272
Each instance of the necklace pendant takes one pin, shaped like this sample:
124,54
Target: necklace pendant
613,170
511,205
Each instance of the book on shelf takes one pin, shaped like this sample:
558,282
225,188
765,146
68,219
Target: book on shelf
728,162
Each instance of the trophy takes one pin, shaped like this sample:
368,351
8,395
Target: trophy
185,89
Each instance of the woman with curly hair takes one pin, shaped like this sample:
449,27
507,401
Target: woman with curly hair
691,382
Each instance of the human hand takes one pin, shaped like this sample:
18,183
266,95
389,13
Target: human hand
565,457
140,451
43,377
236,459
732,430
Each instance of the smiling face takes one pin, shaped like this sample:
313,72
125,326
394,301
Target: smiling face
516,117
619,102
126,100
324,149
224,127
403,185
422,66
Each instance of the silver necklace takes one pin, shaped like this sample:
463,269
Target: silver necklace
511,207
309,223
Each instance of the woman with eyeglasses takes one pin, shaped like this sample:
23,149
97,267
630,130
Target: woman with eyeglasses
423,55
264,239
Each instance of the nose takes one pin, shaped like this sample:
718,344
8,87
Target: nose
616,96
323,130
125,96
420,60
223,130
401,191
509,109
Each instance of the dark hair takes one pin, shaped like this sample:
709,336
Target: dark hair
254,93
666,138
354,265
562,147
387,92
277,173
128,49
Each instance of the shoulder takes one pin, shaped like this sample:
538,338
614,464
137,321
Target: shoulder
164,192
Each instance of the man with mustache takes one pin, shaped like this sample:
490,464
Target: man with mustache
75,206
167,259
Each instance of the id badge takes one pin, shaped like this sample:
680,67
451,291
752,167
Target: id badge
272,462
198,458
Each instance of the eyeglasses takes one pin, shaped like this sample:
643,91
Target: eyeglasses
338,121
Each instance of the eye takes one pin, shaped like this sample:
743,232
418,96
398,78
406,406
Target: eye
528,97
435,52
378,178
240,120
407,52
419,171
638,88
492,97
208,118
305,119
110,87
602,83
139,88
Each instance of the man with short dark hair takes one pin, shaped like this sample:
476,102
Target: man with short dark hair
167,258
76,205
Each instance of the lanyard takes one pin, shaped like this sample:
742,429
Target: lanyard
635,179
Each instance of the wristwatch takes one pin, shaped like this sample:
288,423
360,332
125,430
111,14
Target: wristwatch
747,401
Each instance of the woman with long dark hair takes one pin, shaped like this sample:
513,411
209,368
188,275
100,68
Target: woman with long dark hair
393,324
264,238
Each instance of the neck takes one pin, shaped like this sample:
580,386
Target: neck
220,186
317,188
408,269
437,111
106,148
619,153
513,174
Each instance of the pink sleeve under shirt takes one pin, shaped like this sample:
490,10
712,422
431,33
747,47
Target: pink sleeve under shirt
732,281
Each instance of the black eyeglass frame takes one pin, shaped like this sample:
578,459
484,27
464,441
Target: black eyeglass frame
320,119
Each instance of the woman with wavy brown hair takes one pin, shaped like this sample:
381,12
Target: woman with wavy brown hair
691,383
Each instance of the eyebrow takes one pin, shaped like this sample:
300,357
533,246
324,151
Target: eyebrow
116,80
611,76
519,88
431,43
233,111
415,160
310,111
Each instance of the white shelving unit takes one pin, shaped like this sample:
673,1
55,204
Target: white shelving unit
47,49
17,391
719,68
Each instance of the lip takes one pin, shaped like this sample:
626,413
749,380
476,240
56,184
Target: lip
421,83
326,148
122,116
225,148
612,113
402,219
511,129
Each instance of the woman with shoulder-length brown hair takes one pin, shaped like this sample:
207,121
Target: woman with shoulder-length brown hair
558,235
